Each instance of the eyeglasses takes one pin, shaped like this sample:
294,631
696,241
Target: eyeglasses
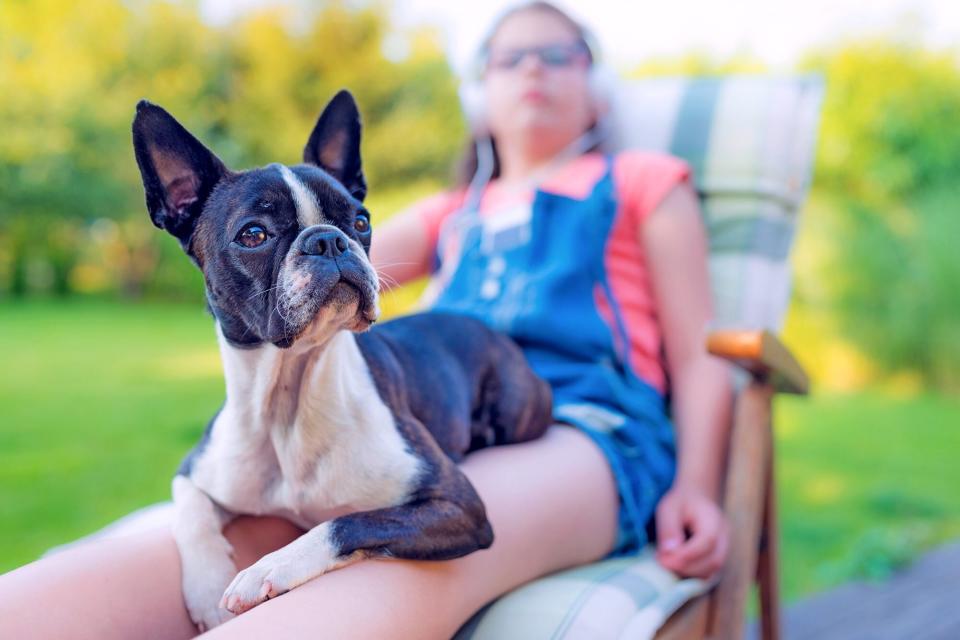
551,55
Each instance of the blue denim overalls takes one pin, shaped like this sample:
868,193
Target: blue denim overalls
536,276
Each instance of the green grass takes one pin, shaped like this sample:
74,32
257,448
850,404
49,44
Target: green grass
865,482
99,401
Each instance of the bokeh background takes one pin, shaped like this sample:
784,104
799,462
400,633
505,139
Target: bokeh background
108,364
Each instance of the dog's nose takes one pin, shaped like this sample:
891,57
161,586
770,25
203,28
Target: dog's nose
328,243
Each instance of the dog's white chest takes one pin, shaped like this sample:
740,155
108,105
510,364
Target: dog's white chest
309,441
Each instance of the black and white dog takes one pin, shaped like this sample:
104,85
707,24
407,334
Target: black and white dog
352,435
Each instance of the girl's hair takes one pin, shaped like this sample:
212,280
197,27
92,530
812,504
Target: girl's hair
467,166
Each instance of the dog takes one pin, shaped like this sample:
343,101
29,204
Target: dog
351,432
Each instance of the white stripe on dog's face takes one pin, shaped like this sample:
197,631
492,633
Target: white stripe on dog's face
308,210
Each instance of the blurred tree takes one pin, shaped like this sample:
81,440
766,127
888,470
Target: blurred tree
889,159
71,204
71,74
335,48
888,170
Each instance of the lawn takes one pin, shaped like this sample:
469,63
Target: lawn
100,400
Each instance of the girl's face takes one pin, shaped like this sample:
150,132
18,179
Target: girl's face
536,80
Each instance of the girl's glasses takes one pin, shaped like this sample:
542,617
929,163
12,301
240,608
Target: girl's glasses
551,55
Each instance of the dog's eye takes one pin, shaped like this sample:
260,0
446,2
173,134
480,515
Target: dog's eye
251,236
361,224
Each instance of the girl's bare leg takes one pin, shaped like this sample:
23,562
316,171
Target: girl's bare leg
125,587
552,503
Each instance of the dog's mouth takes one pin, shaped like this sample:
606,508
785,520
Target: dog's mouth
345,292
318,302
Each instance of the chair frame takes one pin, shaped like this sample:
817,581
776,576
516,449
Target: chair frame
749,494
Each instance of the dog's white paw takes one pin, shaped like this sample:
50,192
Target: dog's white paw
307,557
269,577
204,579
209,615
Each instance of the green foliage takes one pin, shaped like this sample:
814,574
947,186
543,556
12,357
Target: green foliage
891,122
896,289
887,172
251,91
889,160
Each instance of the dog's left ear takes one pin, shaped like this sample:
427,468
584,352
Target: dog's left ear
334,145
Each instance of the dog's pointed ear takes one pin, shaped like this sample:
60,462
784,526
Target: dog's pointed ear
178,171
334,145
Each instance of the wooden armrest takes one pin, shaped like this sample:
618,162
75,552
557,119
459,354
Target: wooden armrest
763,355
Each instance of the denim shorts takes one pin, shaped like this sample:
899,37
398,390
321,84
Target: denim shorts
641,452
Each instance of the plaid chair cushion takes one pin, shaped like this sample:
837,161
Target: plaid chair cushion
750,141
617,598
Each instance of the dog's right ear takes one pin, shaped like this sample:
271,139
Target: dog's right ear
178,171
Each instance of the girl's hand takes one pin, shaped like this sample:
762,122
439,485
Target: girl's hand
692,533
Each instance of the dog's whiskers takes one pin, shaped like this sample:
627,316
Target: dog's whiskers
267,290
387,286
390,281
276,308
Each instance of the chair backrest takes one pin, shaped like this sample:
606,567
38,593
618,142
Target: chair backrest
750,141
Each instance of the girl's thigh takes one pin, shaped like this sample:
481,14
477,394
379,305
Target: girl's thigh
552,503
122,587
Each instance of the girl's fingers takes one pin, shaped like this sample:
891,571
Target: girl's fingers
670,535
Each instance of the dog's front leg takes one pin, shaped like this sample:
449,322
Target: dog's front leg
205,554
430,528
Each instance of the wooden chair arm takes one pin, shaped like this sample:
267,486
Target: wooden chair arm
763,355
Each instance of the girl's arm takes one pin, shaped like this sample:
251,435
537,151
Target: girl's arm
691,527
401,248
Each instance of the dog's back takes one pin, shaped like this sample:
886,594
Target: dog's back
453,366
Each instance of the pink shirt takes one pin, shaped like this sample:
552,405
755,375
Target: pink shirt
641,180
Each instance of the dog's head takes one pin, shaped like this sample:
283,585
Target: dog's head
284,250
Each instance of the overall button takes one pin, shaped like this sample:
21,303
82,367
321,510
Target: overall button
490,289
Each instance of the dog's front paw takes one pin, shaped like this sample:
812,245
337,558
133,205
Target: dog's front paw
307,557
209,615
203,603
204,580
267,578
